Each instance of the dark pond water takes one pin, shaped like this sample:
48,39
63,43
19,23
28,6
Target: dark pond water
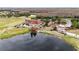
41,42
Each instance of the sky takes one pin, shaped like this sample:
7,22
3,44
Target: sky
39,3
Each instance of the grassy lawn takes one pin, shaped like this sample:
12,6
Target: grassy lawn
70,40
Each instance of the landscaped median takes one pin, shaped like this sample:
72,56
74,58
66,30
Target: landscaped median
70,40
13,32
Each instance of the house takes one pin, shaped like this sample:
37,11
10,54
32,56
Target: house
31,22
62,28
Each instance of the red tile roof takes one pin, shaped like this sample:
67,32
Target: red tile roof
35,22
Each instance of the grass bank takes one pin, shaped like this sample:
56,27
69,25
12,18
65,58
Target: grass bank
70,40
13,32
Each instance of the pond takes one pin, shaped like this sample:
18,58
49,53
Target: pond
41,42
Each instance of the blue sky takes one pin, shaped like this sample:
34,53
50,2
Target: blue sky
39,3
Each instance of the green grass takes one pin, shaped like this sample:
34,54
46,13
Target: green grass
5,22
73,41
13,32
10,22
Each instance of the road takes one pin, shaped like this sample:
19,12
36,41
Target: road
41,42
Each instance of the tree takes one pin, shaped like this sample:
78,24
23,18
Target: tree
75,23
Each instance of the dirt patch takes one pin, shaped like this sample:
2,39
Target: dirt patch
75,31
